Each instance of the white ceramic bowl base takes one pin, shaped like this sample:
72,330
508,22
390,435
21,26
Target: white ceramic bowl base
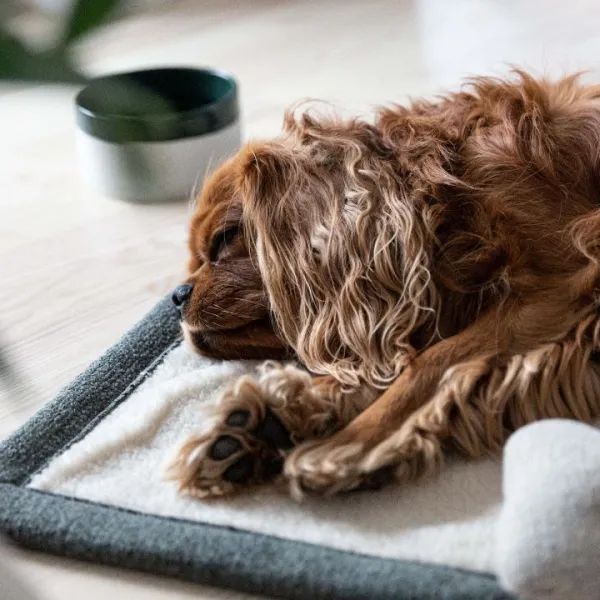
150,172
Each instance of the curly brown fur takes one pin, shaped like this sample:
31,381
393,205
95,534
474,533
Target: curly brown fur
445,258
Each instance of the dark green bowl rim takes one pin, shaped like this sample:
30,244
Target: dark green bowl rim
159,127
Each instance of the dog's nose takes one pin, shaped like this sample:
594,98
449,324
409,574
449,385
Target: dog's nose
181,293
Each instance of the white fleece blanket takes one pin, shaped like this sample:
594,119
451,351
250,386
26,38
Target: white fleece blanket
542,539
447,520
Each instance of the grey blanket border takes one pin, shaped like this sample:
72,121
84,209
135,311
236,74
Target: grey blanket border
203,553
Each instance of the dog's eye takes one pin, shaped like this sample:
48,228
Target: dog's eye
222,240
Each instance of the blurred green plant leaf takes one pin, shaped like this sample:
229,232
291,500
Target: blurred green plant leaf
85,16
18,63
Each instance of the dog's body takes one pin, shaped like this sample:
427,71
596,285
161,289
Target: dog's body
438,270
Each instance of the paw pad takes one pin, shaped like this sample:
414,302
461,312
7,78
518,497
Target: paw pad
260,456
245,449
238,418
224,447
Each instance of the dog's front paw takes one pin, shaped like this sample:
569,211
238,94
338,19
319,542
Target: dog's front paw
245,446
325,468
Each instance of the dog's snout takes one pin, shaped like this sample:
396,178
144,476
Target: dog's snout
181,293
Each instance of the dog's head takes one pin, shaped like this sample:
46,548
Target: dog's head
308,243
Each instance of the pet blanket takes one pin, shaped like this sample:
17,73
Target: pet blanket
85,478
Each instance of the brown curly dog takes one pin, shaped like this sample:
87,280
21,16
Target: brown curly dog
435,273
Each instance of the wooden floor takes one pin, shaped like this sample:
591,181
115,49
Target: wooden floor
77,270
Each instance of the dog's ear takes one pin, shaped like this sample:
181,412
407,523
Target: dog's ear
267,172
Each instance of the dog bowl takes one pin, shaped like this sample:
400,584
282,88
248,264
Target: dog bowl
151,136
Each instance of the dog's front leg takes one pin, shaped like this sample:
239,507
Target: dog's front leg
400,435
257,423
